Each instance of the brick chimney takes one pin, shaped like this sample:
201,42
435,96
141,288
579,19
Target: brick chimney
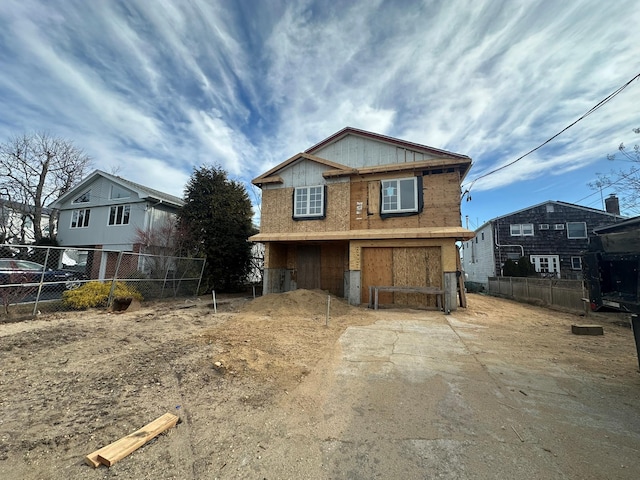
612,205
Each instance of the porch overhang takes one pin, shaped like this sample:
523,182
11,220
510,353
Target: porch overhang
456,233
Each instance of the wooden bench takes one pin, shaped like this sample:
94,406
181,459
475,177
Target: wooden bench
375,289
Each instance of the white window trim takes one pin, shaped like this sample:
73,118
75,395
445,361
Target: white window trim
400,209
579,261
519,228
77,200
558,226
76,213
577,238
115,220
553,262
118,188
307,214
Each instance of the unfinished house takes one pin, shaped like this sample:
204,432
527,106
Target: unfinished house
359,210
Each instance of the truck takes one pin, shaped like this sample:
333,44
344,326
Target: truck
611,270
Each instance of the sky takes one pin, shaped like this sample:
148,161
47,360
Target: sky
153,89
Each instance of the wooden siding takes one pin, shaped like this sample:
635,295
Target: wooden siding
333,265
277,211
401,266
441,193
549,241
446,246
355,151
308,266
303,173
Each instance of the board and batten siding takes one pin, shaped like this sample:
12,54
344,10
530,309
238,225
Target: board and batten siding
358,152
303,173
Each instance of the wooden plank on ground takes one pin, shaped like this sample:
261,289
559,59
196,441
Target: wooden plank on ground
119,449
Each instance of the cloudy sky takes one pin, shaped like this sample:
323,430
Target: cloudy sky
156,88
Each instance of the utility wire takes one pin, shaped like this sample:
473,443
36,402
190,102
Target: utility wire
589,112
633,171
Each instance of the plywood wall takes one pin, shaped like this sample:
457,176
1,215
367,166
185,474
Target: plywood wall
275,255
401,267
277,211
441,193
334,264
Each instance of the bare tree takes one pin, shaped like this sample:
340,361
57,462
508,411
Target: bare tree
36,170
626,182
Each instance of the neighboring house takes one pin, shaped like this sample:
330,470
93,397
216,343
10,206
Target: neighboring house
552,235
360,209
16,222
107,212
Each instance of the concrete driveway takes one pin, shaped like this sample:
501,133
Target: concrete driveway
421,396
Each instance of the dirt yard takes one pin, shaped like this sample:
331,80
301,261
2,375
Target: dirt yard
71,383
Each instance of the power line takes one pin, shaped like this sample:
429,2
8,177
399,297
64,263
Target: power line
589,112
633,171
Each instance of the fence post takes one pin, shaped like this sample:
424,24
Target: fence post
44,267
113,281
204,261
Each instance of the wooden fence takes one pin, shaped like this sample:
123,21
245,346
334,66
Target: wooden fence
566,294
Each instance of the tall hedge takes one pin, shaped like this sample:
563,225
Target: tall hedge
216,221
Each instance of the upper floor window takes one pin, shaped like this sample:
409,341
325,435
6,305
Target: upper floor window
80,218
308,202
576,230
544,226
84,198
521,229
399,195
558,226
119,215
119,192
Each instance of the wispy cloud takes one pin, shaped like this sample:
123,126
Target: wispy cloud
157,88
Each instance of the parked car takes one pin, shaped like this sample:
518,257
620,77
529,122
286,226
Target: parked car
14,271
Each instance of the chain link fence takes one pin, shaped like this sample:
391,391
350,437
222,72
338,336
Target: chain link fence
34,279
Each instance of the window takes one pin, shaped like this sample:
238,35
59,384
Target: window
550,208
546,265
119,192
521,230
544,226
119,215
576,230
576,263
400,195
483,236
80,218
84,198
558,226
309,202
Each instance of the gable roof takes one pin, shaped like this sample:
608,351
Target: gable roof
337,170
383,138
142,191
556,202
270,177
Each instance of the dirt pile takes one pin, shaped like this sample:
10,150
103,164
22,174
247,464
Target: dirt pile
309,303
278,338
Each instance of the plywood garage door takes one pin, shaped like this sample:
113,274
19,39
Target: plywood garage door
401,266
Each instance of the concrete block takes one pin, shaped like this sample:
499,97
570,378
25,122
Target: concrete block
587,330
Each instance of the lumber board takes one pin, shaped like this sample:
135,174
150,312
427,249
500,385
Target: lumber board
119,449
